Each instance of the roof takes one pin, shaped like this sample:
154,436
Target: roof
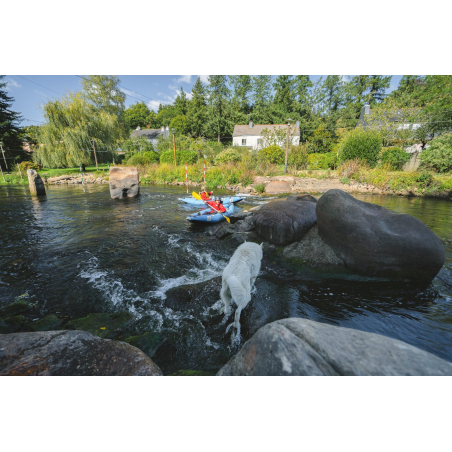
150,134
257,129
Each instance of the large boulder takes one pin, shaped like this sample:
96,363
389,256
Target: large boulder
377,242
277,187
308,198
70,353
304,347
124,182
35,183
284,222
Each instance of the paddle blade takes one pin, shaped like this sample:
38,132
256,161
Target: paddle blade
227,219
196,196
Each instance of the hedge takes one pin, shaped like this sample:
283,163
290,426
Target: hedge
181,157
361,144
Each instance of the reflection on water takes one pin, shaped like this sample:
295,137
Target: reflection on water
75,253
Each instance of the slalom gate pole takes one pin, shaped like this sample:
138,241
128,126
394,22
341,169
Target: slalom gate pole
186,176
83,184
204,172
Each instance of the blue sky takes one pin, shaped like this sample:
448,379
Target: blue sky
32,91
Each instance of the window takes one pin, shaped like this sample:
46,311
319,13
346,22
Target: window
243,142
259,141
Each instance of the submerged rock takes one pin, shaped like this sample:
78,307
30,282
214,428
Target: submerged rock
70,353
18,307
47,323
102,324
377,242
304,347
11,324
147,342
311,249
124,182
284,222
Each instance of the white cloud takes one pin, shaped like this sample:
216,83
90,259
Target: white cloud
10,83
204,78
183,79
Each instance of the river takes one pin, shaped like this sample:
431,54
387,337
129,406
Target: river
74,253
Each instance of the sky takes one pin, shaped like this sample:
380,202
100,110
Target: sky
30,92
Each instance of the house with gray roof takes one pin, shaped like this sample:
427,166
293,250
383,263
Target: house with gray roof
251,135
152,135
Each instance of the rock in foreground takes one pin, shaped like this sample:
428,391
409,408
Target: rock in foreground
124,182
303,347
377,242
284,222
70,353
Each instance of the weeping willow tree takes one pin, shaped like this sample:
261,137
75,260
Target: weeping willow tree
72,126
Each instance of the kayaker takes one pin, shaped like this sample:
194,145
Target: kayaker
217,205
204,195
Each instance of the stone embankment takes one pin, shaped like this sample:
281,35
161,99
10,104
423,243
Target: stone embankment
74,179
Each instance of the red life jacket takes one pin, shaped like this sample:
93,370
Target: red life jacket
206,196
217,208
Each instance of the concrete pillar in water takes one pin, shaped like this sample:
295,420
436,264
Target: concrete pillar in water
35,183
124,182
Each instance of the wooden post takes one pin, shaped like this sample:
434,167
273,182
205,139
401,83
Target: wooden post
20,172
174,143
186,175
287,148
81,172
3,152
2,173
95,156
204,172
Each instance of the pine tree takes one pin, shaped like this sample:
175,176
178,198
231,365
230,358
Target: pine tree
103,92
334,95
9,129
242,92
262,98
284,95
409,92
181,103
219,120
197,110
302,84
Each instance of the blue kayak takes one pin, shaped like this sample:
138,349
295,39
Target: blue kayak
205,217
196,202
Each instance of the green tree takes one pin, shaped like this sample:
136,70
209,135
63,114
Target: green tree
181,103
284,93
219,120
10,133
197,110
179,124
72,124
137,115
261,98
103,92
242,85
302,84
151,121
165,115
334,93
409,92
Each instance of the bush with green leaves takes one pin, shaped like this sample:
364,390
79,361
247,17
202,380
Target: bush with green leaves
273,154
331,159
228,156
298,156
394,158
438,156
26,165
181,157
143,158
424,179
260,188
361,144
317,161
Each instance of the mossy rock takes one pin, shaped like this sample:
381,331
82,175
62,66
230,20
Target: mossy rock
102,324
147,342
47,323
18,307
10,324
194,373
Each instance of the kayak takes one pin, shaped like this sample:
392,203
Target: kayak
204,215
196,202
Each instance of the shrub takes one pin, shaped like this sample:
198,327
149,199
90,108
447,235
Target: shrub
361,144
273,154
24,166
424,179
181,157
260,188
227,156
144,158
317,161
350,168
438,156
394,157
331,160
298,156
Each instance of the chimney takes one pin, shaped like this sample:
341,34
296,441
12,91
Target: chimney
251,124
167,128
367,109
163,128
297,124
138,128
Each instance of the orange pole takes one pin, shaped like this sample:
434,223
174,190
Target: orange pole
174,143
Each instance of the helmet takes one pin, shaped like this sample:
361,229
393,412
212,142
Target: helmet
203,188
219,199
215,198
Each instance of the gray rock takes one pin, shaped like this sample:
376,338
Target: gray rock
377,242
312,250
239,216
35,183
304,347
70,353
148,342
124,182
284,222
308,198
245,225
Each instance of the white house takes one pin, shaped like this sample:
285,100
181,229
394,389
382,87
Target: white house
152,135
250,135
